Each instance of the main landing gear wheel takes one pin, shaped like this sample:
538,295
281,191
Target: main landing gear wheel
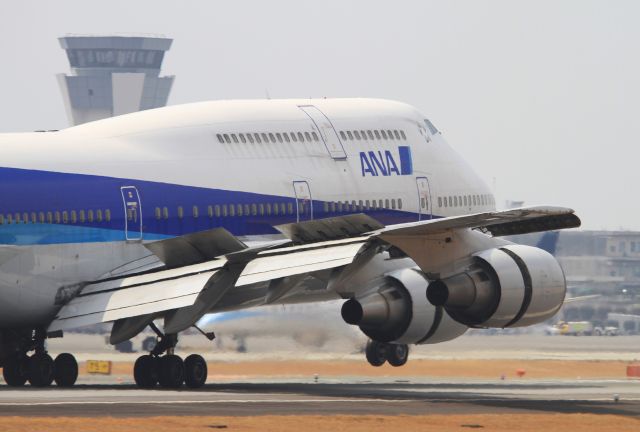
16,371
376,353
379,352
397,355
145,371
65,370
195,371
171,371
41,370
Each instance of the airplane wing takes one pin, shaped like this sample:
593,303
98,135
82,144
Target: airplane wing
203,268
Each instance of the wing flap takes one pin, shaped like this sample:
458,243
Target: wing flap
126,297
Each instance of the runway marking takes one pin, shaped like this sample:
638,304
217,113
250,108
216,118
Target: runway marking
218,401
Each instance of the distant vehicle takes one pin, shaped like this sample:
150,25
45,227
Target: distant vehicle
575,328
606,331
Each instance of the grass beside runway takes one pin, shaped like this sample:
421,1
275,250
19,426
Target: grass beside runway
365,423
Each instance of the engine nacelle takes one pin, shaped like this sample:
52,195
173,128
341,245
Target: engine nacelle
510,286
396,310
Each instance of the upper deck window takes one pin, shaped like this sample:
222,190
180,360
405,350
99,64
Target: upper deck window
431,127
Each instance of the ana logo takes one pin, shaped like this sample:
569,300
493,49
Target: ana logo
378,163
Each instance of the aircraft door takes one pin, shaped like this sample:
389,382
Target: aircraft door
425,205
132,213
304,203
327,133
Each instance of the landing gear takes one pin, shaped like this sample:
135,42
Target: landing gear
65,370
169,370
16,371
39,369
195,371
378,353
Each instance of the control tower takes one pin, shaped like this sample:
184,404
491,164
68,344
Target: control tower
113,75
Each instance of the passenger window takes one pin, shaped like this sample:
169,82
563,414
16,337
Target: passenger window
246,209
286,137
220,139
107,215
243,140
99,215
276,209
257,137
439,201
370,134
363,135
450,202
225,212
377,133
396,134
307,136
33,217
234,138
333,207
272,138
74,217
1,219
265,138
195,211
339,206
158,214
282,210
290,208
254,209
386,203
325,207
390,134
25,218
227,139
268,209
239,211
393,203
360,205
65,217
210,211
431,127
300,137
380,206
165,213
250,138
357,135
465,200
261,209
232,210
384,134
293,137
315,136
343,135
9,219
41,217
374,204
404,137
350,135
217,210
279,137
366,204
180,212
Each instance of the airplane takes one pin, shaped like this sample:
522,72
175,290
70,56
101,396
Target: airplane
169,214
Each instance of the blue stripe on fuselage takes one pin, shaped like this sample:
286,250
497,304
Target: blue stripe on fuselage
32,191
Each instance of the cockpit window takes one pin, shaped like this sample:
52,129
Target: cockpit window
431,127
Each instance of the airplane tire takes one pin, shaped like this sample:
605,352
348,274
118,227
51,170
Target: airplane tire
41,370
376,353
171,371
16,371
195,371
65,370
397,355
145,371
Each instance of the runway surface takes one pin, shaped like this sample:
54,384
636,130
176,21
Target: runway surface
353,397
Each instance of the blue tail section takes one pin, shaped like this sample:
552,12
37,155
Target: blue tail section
549,241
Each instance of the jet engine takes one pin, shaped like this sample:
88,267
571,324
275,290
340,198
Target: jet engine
510,286
395,309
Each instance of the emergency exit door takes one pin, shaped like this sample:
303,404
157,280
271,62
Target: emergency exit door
132,213
327,133
304,203
425,206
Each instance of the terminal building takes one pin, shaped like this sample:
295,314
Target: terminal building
113,75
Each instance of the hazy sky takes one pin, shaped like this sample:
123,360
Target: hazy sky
541,97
